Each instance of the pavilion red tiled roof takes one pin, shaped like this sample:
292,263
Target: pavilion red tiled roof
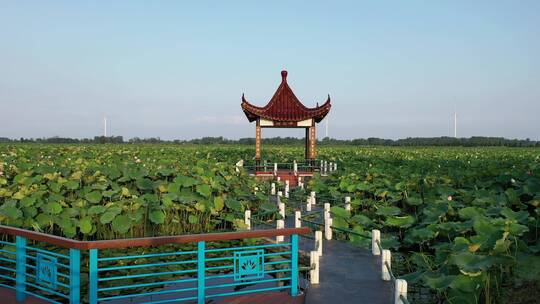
285,106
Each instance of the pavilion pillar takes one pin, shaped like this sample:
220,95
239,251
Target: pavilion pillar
312,142
307,145
258,143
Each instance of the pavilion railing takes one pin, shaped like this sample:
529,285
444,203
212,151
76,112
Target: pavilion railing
306,166
156,270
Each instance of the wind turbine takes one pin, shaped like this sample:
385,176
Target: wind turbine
455,122
326,127
105,126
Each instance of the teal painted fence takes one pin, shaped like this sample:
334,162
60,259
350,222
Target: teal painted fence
53,276
194,272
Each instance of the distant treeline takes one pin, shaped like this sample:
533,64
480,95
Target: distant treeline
476,141
68,140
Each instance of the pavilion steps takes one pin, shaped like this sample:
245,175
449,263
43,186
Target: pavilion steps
288,175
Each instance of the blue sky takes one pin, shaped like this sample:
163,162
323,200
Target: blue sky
177,69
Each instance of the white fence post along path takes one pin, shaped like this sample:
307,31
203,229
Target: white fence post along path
400,285
342,272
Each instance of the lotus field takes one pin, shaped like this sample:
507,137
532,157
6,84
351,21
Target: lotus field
465,221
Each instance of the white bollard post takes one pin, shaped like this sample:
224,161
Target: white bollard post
348,203
326,210
301,185
328,228
280,193
247,219
375,237
400,289
318,242
297,222
308,205
273,191
313,199
335,166
281,207
330,166
386,259
280,224
314,262
275,168
287,188
295,168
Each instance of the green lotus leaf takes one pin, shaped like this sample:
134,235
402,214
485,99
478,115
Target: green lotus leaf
439,282
19,195
360,237
107,217
185,181
468,213
72,185
93,197
157,217
455,227
419,235
532,186
484,226
400,221
10,211
28,201
168,199
234,204
52,208
121,224
413,277
145,184
461,244
204,190
434,212
414,200
472,263
517,229
340,223
96,210
218,203
520,216
463,288
513,197
86,225
340,212
388,210
361,220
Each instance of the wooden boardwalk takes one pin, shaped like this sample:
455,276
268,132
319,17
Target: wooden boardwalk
347,274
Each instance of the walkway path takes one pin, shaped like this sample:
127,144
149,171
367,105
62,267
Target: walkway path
348,274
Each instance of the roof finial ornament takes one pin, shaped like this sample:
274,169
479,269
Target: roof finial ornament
284,76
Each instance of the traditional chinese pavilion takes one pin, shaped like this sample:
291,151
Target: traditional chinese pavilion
284,110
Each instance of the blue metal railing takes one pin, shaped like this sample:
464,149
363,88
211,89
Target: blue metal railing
35,271
195,274
156,270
